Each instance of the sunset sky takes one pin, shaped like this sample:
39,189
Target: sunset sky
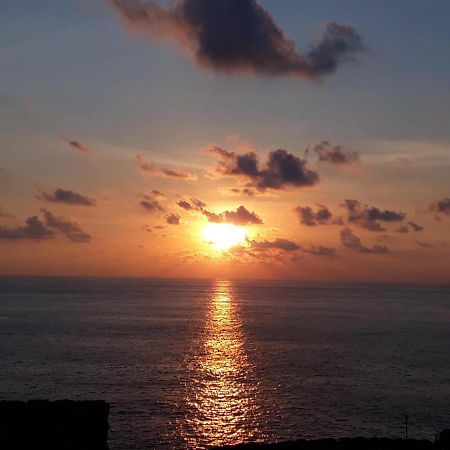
136,136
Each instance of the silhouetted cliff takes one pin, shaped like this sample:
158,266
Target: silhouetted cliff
59,425
358,443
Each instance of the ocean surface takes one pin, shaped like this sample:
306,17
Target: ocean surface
190,364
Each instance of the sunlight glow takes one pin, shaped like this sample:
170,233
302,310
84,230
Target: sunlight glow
223,235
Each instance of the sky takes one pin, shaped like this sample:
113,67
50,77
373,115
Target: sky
141,138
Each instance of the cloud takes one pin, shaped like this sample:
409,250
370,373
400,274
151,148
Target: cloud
320,250
71,230
239,36
441,207
353,242
281,170
66,196
335,154
415,227
164,172
194,205
151,203
368,217
402,229
242,216
213,217
185,205
33,230
76,145
310,218
173,219
425,245
284,245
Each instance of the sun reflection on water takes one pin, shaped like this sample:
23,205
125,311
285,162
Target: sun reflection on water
222,396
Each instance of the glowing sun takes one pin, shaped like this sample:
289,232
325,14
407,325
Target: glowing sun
223,235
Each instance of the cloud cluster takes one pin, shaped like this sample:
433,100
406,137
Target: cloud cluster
369,217
194,204
352,242
281,170
173,219
164,172
441,207
71,230
311,218
284,245
151,203
320,250
239,36
33,230
334,154
67,197
37,230
241,216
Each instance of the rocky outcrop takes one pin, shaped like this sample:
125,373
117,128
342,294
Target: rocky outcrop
59,425
358,443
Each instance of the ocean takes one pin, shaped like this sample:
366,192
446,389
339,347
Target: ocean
190,364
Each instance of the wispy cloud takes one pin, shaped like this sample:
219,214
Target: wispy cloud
165,172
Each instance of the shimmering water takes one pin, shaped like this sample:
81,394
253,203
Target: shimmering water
189,364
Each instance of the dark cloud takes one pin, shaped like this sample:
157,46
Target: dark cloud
242,216
284,245
442,207
334,154
76,145
353,242
239,36
185,205
193,205
66,196
157,193
368,217
164,172
33,230
311,218
402,229
282,169
173,219
320,250
70,230
151,203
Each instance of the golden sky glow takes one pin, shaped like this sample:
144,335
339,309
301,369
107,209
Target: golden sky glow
223,236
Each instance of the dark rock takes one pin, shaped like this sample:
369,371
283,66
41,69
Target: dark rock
59,425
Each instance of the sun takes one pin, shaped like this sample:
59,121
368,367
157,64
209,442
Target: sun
223,235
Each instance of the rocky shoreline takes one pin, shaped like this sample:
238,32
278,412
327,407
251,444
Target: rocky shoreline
357,443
